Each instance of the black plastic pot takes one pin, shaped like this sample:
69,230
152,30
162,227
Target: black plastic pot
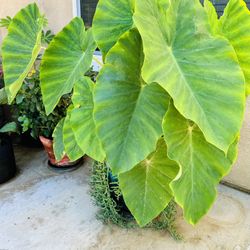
7,159
122,207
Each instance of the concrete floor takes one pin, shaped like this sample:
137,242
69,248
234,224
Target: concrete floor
42,210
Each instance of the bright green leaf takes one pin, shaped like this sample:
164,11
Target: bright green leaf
202,165
72,150
5,22
111,20
212,16
21,47
235,25
199,71
151,180
128,112
58,145
67,58
82,120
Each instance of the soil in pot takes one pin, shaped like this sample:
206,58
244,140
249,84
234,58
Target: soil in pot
7,159
63,165
107,196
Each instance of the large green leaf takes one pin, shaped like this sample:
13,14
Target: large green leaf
58,145
145,188
21,47
128,112
82,120
202,165
235,25
65,61
111,20
199,71
72,150
9,127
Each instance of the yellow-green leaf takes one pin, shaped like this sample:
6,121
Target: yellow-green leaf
128,112
21,47
145,188
66,60
200,72
202,165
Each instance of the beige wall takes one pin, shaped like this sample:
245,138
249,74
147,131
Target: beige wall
240,174
58,12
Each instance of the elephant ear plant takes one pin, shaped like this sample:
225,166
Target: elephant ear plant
167,108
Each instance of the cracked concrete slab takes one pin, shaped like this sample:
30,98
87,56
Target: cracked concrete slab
42,210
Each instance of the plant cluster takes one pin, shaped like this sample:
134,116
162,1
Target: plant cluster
29,109
107,196
167,107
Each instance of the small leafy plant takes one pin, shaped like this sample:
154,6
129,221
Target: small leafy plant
29,109
167,108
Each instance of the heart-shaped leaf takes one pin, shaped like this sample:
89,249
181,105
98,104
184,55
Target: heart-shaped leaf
151,180
200,72
128,111
111,20
21,47
82,120
65,61
235,26
202,165
72,150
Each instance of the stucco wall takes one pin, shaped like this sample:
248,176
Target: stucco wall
58,12
240,175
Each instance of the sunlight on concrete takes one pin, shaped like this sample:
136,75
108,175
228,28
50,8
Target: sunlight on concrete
42,210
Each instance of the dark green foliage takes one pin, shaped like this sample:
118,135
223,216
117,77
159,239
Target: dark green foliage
30,109
47,36
107,197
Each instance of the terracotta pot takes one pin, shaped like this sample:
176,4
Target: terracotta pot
48,146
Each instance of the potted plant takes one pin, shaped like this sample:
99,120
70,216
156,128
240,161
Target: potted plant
107,196
167,108
28,108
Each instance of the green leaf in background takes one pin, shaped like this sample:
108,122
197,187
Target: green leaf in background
58,145
9,127
202,165
235,26
212,16
151,180
21,47
115,17
82,120
3,96
200,72
5,22
128,112
72,149
67,58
